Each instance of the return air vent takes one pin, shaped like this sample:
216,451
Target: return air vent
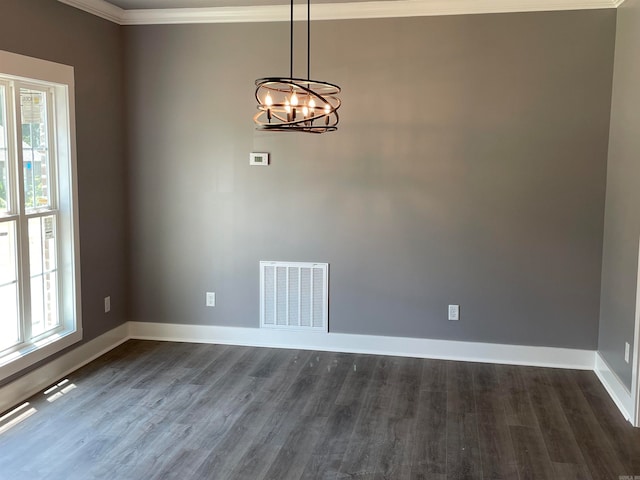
294,295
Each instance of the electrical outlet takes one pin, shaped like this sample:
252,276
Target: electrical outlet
454,312
627,351
211,299
107,304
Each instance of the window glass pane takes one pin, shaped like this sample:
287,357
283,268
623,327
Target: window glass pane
4,152
49,251
35,246
37,306
35,148
51,300
44,303
44,280
9,326
7,252
9,335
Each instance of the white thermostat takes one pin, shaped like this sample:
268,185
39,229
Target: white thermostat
259,159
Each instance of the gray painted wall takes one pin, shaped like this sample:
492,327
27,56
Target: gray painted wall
622,214
469,168
52,31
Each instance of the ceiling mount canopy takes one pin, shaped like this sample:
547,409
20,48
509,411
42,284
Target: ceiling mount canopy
297,104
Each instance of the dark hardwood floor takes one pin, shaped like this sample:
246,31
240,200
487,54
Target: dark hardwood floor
152,410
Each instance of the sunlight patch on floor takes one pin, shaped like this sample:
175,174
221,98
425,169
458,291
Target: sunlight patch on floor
15,416
59,390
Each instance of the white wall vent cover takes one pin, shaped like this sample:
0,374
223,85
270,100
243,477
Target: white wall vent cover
294,296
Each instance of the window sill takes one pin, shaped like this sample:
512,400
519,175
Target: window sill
31,354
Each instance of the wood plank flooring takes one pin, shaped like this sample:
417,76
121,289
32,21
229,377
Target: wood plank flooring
153,410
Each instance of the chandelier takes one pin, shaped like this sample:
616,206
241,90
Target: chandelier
297,104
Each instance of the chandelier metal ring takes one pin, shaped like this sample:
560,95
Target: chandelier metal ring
315,111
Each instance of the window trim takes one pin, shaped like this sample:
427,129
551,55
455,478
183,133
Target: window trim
60,78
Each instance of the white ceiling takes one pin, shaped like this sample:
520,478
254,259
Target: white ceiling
153,12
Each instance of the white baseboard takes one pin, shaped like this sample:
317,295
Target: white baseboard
42,377
37,380
379,345
616,389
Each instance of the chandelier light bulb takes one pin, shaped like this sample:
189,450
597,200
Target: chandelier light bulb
294,99
268,100
312,104
305,111
327,109
287,107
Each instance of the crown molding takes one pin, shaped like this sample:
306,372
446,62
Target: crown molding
99,8
330,11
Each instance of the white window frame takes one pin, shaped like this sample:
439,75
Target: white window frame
60,80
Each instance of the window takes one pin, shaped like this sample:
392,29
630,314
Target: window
39,257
